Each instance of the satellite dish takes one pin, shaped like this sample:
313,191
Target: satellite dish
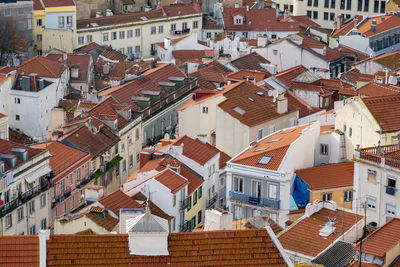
269,92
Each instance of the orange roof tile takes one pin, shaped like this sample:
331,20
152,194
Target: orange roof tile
119,200
250,61
42,66
374,90
96,209
389,60
274,146
104,220
379,242
303,237
171,180
6,146
328,176
196,150
304,108
184,56
385,110
243,74
19,251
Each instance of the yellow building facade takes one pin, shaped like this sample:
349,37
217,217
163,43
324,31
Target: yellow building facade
339,195
195,213
393,6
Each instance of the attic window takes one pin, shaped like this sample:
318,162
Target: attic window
239,110
260,93
261,149
288,131
328,228
264,160
274,140
251,99
238,19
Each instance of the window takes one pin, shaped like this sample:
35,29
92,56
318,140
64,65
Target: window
32,230
366,5
199,216
371,202
31,207
17,117
184,26
39,37
271,129
205,110
333,3
69,21
347,17
105,37
195,198
43,224
153,49
8,221
130,161
309,13
315,14
64,207
137,49
332,17
7,196
72,202
137,32
238,21
81,40
285,7
371,176
390,209
17,100
78,175
323,149
153,30
42,200
80,197
7,12
173,224
137,156
309,2
124,165
273,191
20,213
383,6
237,184
342,3
326,196
200,191
275,52
348,196
315,3
122,51
208,34
160,29
391,182
122,35
60,22
39,22
173,27
190,203
348,7
326,3
256,188
113,35
195,24
86,170
173,200
350,131
89,38
260,134
359,5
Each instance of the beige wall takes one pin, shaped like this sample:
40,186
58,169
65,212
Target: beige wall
59,39
78,225
392,254
337,196
4,128
145,39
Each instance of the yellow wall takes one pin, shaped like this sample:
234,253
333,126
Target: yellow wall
194,211
58,39
337,196
38,14
392,6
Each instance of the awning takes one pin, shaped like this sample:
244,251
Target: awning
37,174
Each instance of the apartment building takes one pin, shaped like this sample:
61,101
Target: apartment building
137,34
24,189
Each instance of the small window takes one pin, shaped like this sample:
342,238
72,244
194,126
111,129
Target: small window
260,134
153,30
137,32
390,209
81,40
39,22
238,184
273,191
8,221
273,36
208,34
17,117
113,35
42,200
43,224
174,200
309,13
205,110
184,26
72,202
323,149
199,216
264,160
326,15
137,156
160,29
200,194
195,24
89,39
173,27
332,16
189,203
391,182
275,52
371,176
348,196
129,33
371,203
130,161
195,198
20,213
271,129
105,37
32,230
315,14
122,35
350,131
39,37
326,196
60,22
31,207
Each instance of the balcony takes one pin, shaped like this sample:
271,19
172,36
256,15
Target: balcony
182,32
212,200
390,190
185,203
255,201
23,198
187,226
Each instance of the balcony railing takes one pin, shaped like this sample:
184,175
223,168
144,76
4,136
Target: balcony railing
261,202
212,200
182,32
23,198
185,203
390,190
187,226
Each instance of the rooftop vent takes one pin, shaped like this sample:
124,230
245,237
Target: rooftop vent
328,228
274,140
251,99
21,153
288,131
10,160
264,160
239,110
259,93
261,149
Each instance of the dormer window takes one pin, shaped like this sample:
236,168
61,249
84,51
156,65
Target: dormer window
238,19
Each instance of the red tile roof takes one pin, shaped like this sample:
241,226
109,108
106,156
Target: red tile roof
274,146
181,9
2,115
303,237
374,90
210,248
256,109
379,242
389,60
303,20
385,110
42,66
107,109
58,3
252,21
354,76
213,72
287,76
6,146
86,48
19,138
328,176
19,250
196,56
82,63
104,220
251,61
243,74
171,180
304,108
119,200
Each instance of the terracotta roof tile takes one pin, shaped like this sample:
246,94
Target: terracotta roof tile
255,109
303,237
82,63
119,200
379,242
58,3
389,60
243,74
19,250
205,80
18,137
171,180
347,27
374,90
6,146
303,20
96,209
354,76
42,66
251,61
86,48
328,176
103,219
385,110
288,75
274,146
211,24
196,56
304,108
182,9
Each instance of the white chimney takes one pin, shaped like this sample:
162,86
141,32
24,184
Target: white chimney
236,5
167,43
282,105
202,138
218,220
44,235
247,8
262,41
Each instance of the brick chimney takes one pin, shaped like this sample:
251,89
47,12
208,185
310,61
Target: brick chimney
218,220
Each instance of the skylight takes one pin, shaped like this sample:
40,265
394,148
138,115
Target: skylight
328,228
274,140
251,99
288,131
261,149
260,93
239,110
264,160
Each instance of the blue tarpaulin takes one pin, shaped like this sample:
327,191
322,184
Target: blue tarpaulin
300,193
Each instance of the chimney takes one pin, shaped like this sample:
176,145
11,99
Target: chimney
282,105
247,8
146,156
286,14
167,43
21,153
262,41
216,219
90,123
339,22
202,138
236,5
373,26
10,160
44,235
317,205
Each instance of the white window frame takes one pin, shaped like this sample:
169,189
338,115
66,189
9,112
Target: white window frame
238,184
